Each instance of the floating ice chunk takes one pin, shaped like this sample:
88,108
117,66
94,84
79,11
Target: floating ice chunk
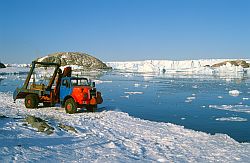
195,86
137,84
245,98
191,98
133,93
234,93
125,96
234,108
220,97
232,119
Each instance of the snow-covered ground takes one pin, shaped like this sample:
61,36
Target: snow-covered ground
202,66
107,136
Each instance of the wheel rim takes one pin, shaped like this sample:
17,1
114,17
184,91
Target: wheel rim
69,107
29,101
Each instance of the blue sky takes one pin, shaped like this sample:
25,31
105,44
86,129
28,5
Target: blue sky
121,30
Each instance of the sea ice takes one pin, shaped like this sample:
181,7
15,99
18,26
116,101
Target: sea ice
234,108
234,93
133,93
232,119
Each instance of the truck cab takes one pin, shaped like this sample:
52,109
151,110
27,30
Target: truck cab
78,92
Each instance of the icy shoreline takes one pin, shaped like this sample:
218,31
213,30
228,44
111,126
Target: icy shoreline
202,66
108,136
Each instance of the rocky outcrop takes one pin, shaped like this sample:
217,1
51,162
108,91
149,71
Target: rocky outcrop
2,65
241,63
75,58
39,124
67,128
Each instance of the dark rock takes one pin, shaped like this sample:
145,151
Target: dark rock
75,58
39,124
2,65
2,116
242,63
67,128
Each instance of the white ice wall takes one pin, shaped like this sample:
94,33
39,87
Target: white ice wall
194,66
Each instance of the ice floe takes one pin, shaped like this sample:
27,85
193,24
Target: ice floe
232,119
234,93
133,93
234,108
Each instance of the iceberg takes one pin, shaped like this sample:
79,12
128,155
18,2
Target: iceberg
202,66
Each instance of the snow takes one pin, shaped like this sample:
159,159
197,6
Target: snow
231,119
234,93
202,66
108,136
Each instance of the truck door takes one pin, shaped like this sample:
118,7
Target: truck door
65,89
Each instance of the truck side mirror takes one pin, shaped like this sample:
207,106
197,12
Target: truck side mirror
93,84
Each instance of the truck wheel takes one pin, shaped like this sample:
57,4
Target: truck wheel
70,106
31,101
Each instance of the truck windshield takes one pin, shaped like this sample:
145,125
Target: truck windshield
41,75
80,82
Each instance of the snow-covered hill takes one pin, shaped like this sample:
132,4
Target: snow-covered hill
107,136
203,66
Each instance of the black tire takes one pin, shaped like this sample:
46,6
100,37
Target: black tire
91,108
31,101
70,106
